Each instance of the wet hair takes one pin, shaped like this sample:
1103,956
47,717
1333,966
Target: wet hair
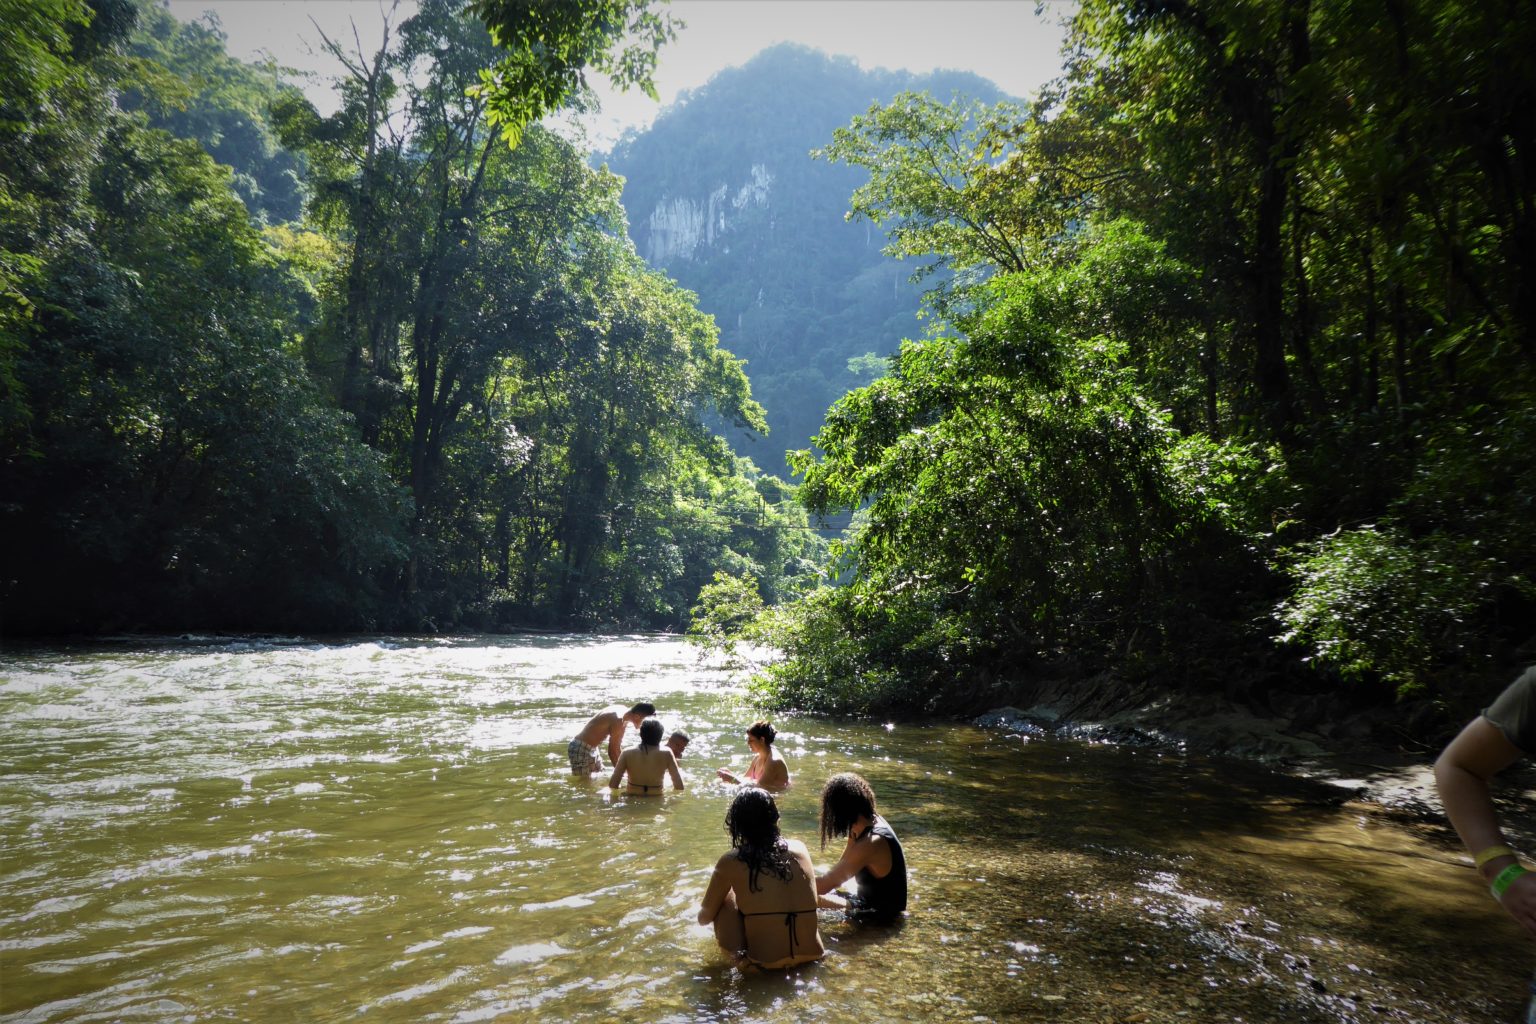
678,734
753,822
763,731
650,732
645,709
844,799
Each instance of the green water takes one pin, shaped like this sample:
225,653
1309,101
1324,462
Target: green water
388,831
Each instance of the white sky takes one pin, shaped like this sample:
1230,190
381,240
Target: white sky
1003,40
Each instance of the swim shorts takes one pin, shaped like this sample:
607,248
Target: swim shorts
584,759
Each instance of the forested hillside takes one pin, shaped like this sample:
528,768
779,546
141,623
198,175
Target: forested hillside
1239,390
724,195
1229,381
377,369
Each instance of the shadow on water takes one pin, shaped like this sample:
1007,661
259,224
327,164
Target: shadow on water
390,829
1204,866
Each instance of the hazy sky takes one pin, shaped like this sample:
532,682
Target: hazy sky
1003,40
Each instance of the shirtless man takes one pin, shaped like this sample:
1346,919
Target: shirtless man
610,722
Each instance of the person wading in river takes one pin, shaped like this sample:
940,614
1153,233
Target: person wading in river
611,723
767,769
761,899
647,764
872,855
678,742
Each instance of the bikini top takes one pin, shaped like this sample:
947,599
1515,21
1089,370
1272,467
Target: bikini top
789,921
645,787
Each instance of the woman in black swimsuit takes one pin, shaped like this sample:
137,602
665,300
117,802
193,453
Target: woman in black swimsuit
647,764
872,855
761,900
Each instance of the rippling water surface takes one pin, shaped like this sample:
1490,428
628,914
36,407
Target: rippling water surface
387,830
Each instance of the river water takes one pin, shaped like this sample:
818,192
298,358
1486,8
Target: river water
387,830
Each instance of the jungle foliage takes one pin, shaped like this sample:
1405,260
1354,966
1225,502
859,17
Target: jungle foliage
1229,368
446,392
1235,369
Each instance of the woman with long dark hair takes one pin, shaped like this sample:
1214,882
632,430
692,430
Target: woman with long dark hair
647,764
767,769
761,899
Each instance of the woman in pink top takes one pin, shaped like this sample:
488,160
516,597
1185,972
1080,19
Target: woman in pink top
767,769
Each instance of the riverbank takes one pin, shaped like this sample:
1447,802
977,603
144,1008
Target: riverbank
1384,756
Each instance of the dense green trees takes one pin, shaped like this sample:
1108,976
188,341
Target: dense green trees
164,460
1230,359
186,84
1242,363
541,392
449,394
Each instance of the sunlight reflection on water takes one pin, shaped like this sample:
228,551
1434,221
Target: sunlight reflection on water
291,830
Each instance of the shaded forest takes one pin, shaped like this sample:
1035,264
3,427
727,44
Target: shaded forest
1224,373
376,369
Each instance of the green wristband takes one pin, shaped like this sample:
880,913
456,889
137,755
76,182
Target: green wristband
1506,879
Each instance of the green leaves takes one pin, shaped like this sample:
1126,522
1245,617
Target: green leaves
933,178
1372,603
1020,489
550,45
168,465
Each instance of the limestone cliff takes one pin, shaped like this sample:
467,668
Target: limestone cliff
679,226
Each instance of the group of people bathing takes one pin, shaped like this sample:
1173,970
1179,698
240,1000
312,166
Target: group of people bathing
763,896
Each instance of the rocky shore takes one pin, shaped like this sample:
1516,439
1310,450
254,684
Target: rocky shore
1372,754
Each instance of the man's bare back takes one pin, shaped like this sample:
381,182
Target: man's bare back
609,724
602,725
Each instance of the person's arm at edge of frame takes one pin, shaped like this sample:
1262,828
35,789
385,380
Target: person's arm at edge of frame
1462,775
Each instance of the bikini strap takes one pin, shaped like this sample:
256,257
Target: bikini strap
789,922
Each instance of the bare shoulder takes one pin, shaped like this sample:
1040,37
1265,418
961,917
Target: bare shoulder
800,852
605,717
861,852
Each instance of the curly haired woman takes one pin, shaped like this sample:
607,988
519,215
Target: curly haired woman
872,855
761,899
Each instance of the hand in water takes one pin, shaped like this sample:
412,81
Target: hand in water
725,776
1519,901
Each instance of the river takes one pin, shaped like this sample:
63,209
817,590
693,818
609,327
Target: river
386,829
